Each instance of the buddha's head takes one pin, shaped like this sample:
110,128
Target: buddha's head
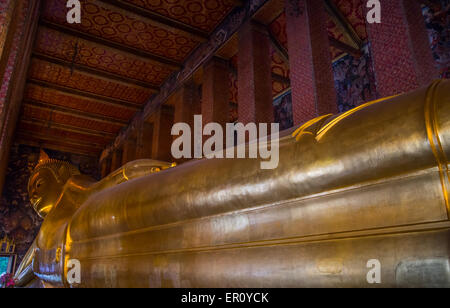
47,182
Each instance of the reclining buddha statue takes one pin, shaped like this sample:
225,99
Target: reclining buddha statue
352,192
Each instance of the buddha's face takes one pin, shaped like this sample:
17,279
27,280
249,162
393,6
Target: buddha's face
44,191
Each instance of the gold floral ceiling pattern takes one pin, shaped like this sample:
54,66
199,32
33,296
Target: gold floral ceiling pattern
105,21
88,83
57,98
202,14
70,48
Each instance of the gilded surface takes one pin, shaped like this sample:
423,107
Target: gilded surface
370,184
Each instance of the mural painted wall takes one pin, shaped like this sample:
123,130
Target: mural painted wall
17,217
437,20
354,80
283,111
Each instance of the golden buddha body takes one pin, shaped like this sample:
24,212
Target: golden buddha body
370,184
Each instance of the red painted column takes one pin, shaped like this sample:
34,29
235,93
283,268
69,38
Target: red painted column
400,48
186,102
145,141
14,62
312,80
129,151
162,138
255,101
215,92
116,160
106,167
8,24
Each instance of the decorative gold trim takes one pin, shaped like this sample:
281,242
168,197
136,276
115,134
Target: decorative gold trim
299,132
335,121
432,127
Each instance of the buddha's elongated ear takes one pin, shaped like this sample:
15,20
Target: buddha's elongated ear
62,171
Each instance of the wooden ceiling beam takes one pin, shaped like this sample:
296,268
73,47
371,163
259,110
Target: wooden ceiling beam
159,60
342,22
279,48
281,79
68,128
269,12
344,47
74,112
57,147
68,141
94,71
195,33
85,95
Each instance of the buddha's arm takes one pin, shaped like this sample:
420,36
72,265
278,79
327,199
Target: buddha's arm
24,273
132,170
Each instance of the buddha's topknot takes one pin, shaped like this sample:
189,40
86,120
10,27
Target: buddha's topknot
61,170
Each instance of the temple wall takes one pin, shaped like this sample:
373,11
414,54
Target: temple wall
9,55
354,80
13,68
5,20
17,218
438,26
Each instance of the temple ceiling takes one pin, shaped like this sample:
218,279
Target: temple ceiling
86,81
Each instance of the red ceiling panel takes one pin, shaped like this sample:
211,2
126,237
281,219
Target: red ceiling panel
53,97
61,134
30,112
353,12
62,76
125,28
70,48
202,14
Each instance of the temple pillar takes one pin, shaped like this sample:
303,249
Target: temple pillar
144,141
116,159
8,27
400,47
16,52
105,167
129,151
162,138
186,102
255,102
311,71
215,92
